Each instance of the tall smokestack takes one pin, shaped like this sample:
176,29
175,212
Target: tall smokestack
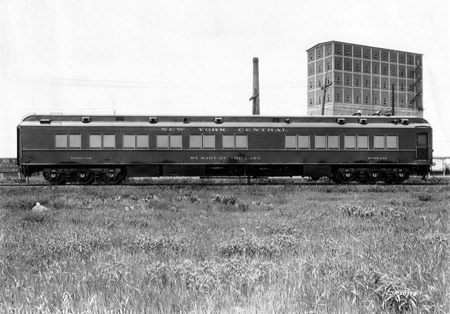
255,96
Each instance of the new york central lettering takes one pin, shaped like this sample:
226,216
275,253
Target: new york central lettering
223,130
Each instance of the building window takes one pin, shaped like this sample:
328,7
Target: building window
356,81
366,99
328,65
357,99
338,97
348,50
311,57
384,101
402,86
375,100
375,69
347,98
366,82
376,55
366,52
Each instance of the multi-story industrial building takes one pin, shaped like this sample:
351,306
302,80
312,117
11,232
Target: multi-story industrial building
344,78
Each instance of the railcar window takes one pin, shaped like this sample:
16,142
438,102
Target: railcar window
109,141
379,142
321,141
61,141
234,141
176,142
349,142
391,142
241,142
291,141
142,141
129,141
333,141
75,141
162,141
228,141
363,142
422,139
303,142
95,141
195,142
209,141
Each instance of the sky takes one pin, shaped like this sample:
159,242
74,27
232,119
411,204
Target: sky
167,57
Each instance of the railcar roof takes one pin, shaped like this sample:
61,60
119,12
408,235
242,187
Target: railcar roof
218,120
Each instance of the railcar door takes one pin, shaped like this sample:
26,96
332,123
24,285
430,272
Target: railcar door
422,149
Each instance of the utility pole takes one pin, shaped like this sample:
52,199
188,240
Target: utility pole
393,101
324,88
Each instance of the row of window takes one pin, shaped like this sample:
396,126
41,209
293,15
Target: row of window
234,141
141,141
357,81
366,53
333,142
366,67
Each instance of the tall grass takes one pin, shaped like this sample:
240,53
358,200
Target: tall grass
352,249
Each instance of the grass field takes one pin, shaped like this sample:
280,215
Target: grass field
245,249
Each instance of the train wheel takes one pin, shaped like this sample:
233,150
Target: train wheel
344,177
371,177
85,177
55,178
401,177
113,177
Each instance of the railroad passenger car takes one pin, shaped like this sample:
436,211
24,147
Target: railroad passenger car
110,148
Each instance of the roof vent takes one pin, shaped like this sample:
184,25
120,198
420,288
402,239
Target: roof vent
218,120
153,120
85,119
362,121
404,121
45,121
287,120
395,121
186,120
340,121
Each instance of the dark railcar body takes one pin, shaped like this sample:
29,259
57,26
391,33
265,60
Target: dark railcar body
110,148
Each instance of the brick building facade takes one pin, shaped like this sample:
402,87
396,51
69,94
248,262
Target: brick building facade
361,78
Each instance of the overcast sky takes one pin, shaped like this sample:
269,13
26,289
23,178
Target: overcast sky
195,57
